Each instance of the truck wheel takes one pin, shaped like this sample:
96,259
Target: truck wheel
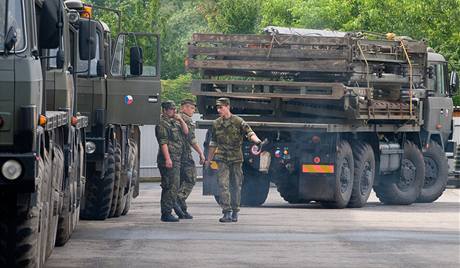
404,187
117,187
65,226
133,176
20,220
344,173
363,181
289,189
54,169
254,190
436,174
98,193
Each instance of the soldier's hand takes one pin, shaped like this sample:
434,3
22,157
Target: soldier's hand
177,117
169,163
202,159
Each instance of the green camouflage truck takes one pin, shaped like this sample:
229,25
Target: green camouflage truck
118,91
342,113
42,136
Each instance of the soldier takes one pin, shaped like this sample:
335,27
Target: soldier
188,168
169,134
228,132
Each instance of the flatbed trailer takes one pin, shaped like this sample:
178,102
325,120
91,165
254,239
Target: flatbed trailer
341,115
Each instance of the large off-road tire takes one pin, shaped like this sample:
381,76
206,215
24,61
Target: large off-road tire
52,196
364,175
289,189
344,173
254,190
403,187
22,242
98,192
65,224
132,176
117,197
436,173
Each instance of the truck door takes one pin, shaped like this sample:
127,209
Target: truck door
439,107
133,85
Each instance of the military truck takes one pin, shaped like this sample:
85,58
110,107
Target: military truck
118,91
342,113
42,136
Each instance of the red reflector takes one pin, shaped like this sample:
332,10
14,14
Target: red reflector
316,160
307,168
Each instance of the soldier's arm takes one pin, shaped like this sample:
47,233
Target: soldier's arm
163,142
183,125
200,152
249,133
165,152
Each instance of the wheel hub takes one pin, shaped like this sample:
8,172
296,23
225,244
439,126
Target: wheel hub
345,176
365,179
431,171
408,174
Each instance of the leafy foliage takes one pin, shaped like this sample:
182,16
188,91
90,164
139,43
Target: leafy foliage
232,16
437,21
177,89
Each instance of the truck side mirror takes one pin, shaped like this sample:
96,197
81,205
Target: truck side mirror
60,58
87,40
11,38
454,82
100,68
136,61
50,22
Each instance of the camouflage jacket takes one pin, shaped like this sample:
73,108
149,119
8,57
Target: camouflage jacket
227,136
189,139
169,132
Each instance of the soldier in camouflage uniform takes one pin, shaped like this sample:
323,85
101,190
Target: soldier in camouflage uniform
188,168
169,134
228,132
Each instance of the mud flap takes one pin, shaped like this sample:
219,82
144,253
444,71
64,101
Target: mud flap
316,187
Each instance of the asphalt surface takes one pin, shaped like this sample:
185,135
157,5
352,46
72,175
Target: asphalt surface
275,235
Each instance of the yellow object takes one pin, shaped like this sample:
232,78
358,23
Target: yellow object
42,120
390,36
214,165
87,11
307,168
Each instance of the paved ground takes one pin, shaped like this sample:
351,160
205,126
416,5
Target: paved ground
275,235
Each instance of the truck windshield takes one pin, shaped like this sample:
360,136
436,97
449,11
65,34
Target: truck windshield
14,20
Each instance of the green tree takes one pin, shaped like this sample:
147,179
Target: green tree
178,21
177,89
232,16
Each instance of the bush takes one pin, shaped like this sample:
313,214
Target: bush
177,89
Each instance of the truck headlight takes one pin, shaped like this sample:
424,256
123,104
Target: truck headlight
90,147
11,169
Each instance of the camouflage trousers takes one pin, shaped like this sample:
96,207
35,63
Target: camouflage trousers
230,178
187,181
170,178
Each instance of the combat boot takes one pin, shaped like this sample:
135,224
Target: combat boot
226,218
168,217
178,211
234,216
187,215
